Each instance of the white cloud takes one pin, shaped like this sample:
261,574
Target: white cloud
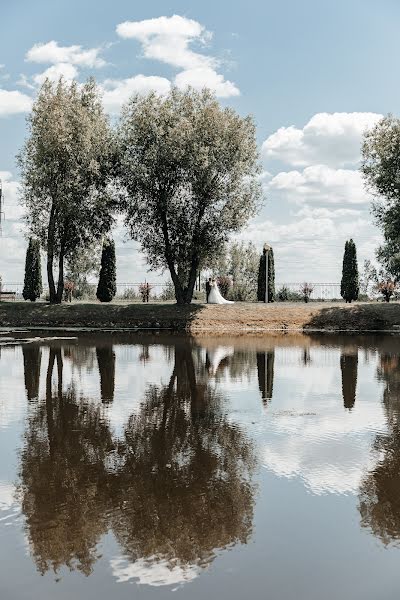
53,73
202,77
322,184
168,40
330,138
13,102
76,55
117,92
11,206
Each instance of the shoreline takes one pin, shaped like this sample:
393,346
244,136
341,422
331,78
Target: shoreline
368,317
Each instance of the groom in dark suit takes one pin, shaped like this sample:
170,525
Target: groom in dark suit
208,288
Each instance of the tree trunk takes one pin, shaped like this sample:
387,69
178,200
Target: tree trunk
50,255
191,281
60,284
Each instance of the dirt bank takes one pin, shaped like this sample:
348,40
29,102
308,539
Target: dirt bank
199,317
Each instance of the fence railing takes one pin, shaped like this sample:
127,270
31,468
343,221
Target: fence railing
130,290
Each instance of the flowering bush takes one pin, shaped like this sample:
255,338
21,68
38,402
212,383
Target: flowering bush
306,289
145,291
224,283
387,288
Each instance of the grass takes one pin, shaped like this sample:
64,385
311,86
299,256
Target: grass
201,317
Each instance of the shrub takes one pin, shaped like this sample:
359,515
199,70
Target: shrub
306,289
33,274
145,291
130,294
283,294
107,287
168,292
224,283
387,288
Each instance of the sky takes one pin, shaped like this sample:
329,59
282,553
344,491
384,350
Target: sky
314,74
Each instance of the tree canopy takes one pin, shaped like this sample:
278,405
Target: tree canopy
66,173
189,169
381,170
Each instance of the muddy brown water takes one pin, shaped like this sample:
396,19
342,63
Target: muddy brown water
146,466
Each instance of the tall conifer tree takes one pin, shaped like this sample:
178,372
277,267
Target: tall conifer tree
33,272
349,286
107,287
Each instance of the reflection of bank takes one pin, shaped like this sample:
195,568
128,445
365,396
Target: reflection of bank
265,371
173,489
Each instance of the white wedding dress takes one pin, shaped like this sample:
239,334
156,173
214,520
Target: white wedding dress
215,296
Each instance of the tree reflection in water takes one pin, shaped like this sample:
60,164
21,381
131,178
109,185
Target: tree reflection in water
175,488
32,354
349,368
379,501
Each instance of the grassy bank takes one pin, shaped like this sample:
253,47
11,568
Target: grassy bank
199,317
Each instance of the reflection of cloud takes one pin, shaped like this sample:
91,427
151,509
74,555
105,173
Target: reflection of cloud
6,496
311,437
153,571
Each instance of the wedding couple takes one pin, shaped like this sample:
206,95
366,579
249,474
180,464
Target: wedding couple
213,294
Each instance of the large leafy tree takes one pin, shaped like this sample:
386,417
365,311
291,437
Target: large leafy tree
349,286
66,170
381,170
189,169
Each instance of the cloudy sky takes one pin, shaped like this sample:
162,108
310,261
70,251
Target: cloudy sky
315,74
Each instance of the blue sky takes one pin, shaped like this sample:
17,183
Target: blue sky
314,74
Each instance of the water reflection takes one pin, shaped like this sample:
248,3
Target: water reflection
174,488
32,354
349,367
151,446
265,371
380,491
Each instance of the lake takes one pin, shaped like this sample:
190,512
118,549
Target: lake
146,466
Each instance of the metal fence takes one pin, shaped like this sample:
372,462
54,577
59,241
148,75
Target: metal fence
130,291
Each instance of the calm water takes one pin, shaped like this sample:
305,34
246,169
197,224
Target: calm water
145,466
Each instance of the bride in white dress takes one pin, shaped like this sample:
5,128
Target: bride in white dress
215,296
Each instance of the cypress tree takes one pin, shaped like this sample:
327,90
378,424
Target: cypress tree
271,276
349,286
107,287
262,276
33,272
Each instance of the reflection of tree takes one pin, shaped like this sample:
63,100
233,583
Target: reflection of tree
348,367
186,474
379,504
265,370
32,354
64,478
106,362
176,487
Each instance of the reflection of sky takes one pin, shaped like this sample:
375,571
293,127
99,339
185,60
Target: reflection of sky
306,432
154,571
